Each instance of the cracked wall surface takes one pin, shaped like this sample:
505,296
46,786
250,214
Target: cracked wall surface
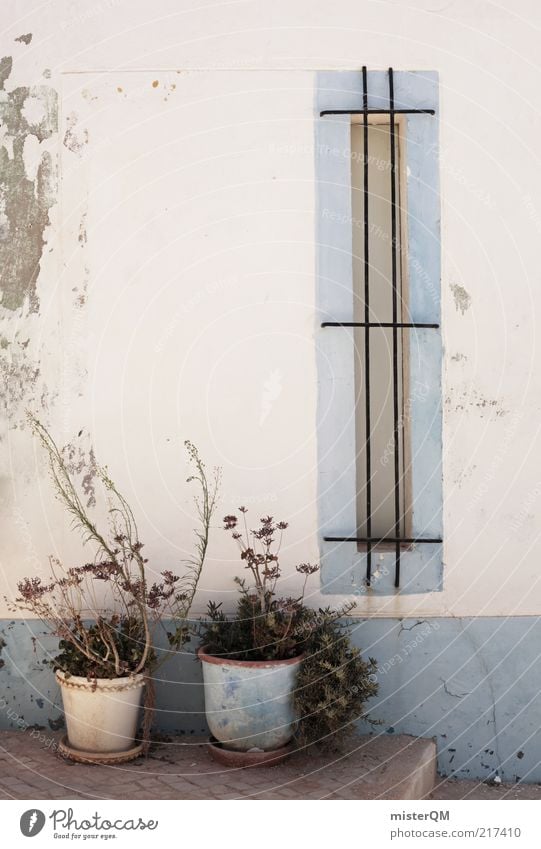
472,684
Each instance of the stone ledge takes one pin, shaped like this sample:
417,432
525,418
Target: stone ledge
373,767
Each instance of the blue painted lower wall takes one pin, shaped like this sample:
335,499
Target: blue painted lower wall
473,684
30,696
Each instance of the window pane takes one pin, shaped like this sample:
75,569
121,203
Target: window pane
380,339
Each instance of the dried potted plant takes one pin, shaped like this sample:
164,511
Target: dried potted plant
106,613
251,662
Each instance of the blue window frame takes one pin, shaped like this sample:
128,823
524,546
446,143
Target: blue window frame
345,563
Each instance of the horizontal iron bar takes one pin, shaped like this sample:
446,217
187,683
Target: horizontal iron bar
377,112
381,539
377,324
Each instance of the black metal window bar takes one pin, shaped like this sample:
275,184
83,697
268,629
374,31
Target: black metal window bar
368,325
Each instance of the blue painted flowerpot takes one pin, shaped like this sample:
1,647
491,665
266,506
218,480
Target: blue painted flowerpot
249,704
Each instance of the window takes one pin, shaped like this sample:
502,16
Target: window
379,346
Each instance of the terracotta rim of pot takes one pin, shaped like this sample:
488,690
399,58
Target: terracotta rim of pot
78,682
252,664
241,760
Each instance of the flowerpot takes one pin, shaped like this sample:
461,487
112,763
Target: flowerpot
101,714
249,704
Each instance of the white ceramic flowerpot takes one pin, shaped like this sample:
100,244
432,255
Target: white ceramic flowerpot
249,704
101,714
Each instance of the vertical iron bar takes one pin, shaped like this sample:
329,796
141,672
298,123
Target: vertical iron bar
367,334
394,247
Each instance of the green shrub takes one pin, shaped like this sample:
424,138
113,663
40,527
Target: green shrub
333,686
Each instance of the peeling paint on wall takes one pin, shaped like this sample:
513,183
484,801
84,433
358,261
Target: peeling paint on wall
28,116
82,237
19,377
471,399
73,139
80,296
79,461
461,296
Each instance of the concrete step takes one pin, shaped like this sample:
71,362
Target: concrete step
382,767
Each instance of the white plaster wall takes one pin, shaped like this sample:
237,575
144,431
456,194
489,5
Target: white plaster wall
177,281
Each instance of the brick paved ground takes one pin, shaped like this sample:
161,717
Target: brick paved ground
182,769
